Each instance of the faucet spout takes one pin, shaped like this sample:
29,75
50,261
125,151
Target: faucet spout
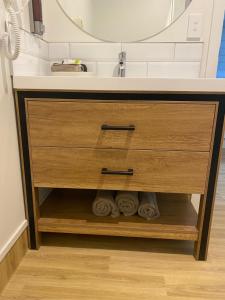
122,64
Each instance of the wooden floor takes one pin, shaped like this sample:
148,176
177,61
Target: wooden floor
100,268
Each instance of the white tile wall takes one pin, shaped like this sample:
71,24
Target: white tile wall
34,56
172,60
91,66
143,59
107,69
34,46
133,69
136,69
30,65
173,69
149,51
44,50
188,52
59,50
95,51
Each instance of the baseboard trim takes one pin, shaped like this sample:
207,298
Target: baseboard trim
12,259
14,237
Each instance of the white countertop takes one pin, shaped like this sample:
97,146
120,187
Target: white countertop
67,83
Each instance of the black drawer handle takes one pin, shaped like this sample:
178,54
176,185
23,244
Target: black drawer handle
117,127
129,172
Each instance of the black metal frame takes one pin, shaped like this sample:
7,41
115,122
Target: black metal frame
216,98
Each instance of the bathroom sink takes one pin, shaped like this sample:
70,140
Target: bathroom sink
93,83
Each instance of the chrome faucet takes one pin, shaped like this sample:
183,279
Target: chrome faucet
122,64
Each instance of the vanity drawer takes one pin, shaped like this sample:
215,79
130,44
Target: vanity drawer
123,125
161,171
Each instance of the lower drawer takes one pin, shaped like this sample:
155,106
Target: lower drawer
137,170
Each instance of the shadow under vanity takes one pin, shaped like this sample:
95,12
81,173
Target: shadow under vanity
173,150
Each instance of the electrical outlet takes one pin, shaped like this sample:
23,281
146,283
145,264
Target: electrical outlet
194,27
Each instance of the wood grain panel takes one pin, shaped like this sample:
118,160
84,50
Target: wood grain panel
173,126
165,171
11,261
70,211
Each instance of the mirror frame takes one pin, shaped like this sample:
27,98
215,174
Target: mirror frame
108,41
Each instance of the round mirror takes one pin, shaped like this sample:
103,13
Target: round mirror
123,20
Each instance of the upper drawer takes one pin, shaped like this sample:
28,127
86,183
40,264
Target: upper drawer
78,123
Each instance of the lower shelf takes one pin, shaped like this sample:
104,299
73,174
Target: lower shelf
70,211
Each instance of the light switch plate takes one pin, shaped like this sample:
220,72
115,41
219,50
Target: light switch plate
194,27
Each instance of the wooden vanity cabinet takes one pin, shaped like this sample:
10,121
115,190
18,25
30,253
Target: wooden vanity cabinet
78,144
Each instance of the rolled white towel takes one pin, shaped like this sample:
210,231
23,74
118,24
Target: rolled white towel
127,202
104,205
148,208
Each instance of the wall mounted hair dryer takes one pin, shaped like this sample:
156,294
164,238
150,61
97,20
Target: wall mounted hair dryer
12,28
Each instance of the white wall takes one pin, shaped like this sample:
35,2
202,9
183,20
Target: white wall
12,216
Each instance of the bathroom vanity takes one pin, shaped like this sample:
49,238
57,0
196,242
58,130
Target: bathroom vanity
78,135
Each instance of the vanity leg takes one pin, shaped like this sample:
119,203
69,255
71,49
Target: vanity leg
208,199
201,213
206,208
36,216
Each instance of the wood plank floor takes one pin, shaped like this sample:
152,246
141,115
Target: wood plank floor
100,268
